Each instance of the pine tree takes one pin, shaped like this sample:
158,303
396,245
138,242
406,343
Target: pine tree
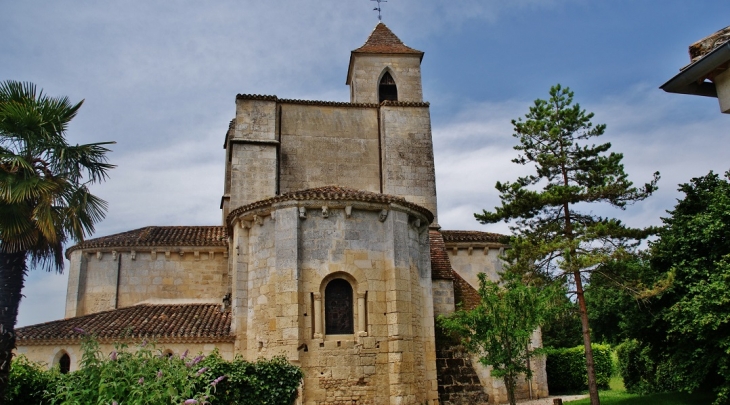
552,239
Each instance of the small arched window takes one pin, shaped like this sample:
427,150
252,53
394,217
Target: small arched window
64,363
387,89
338,307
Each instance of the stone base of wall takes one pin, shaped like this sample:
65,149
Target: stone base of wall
458,382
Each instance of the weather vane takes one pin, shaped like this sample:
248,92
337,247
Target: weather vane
380,17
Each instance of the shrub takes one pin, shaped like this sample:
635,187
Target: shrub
146,376
265,382
641,374
29,382
566,368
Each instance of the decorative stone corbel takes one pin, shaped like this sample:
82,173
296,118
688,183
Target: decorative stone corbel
114,255
167,254
273,215
456,250
258,220
245,224
153,255
469,250
486,250
225,254
211,255
133,255
416,223
348,211
196,254
99,255
302,213
501,251
383,215
182,253
325,212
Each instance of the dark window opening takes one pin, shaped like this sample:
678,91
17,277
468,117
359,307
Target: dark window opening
64,364
338,307
387,89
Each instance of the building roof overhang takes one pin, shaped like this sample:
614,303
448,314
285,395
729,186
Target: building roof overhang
692,78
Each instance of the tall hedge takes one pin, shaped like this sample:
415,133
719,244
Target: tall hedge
566,368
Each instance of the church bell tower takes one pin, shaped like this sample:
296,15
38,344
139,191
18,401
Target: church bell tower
384,68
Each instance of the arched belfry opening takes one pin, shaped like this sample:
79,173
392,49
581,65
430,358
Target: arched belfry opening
387,90
338,308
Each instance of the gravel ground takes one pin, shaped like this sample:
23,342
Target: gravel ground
549,400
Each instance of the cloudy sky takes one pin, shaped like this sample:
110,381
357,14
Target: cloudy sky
160,79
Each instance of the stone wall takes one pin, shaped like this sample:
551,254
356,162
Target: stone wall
470,261
324,145
443,297
105,280
286,261
408,167
367,70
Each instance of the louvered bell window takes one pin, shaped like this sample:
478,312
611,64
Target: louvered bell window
387,89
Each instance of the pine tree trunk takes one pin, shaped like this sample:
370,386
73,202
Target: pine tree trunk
592,386
12,277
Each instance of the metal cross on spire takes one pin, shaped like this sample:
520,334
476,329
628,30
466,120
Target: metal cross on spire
380,17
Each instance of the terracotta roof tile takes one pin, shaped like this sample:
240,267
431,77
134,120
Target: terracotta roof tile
160,236
472,236
144,321
708,44
464,293
440,263
334,193
383,40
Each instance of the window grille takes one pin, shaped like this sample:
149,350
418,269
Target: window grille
338,307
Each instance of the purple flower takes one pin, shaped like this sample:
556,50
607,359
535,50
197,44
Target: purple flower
113,355
79,330
144,343
217,380
201,371
159,374
115,403
141,381
184,355
190,402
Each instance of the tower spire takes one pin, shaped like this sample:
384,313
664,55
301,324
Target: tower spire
380,16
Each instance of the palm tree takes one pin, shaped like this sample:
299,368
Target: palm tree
44,195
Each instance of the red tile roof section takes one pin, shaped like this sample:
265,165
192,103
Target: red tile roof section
465,294
160,236
440,263
472,236
191,322
331,193
383,40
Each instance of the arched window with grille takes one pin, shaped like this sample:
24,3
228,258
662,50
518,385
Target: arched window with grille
387,89
338,308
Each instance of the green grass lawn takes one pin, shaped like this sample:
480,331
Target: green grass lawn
617,395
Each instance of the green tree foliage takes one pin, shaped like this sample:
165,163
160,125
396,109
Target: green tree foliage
30,382
146,376
44,195
691,327
499,329
566,368
552,239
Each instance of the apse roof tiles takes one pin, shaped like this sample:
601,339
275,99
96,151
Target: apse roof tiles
190,322
160,236
440,263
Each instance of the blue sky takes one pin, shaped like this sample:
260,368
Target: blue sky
160,78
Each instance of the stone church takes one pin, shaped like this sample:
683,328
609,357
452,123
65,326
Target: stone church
329,253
